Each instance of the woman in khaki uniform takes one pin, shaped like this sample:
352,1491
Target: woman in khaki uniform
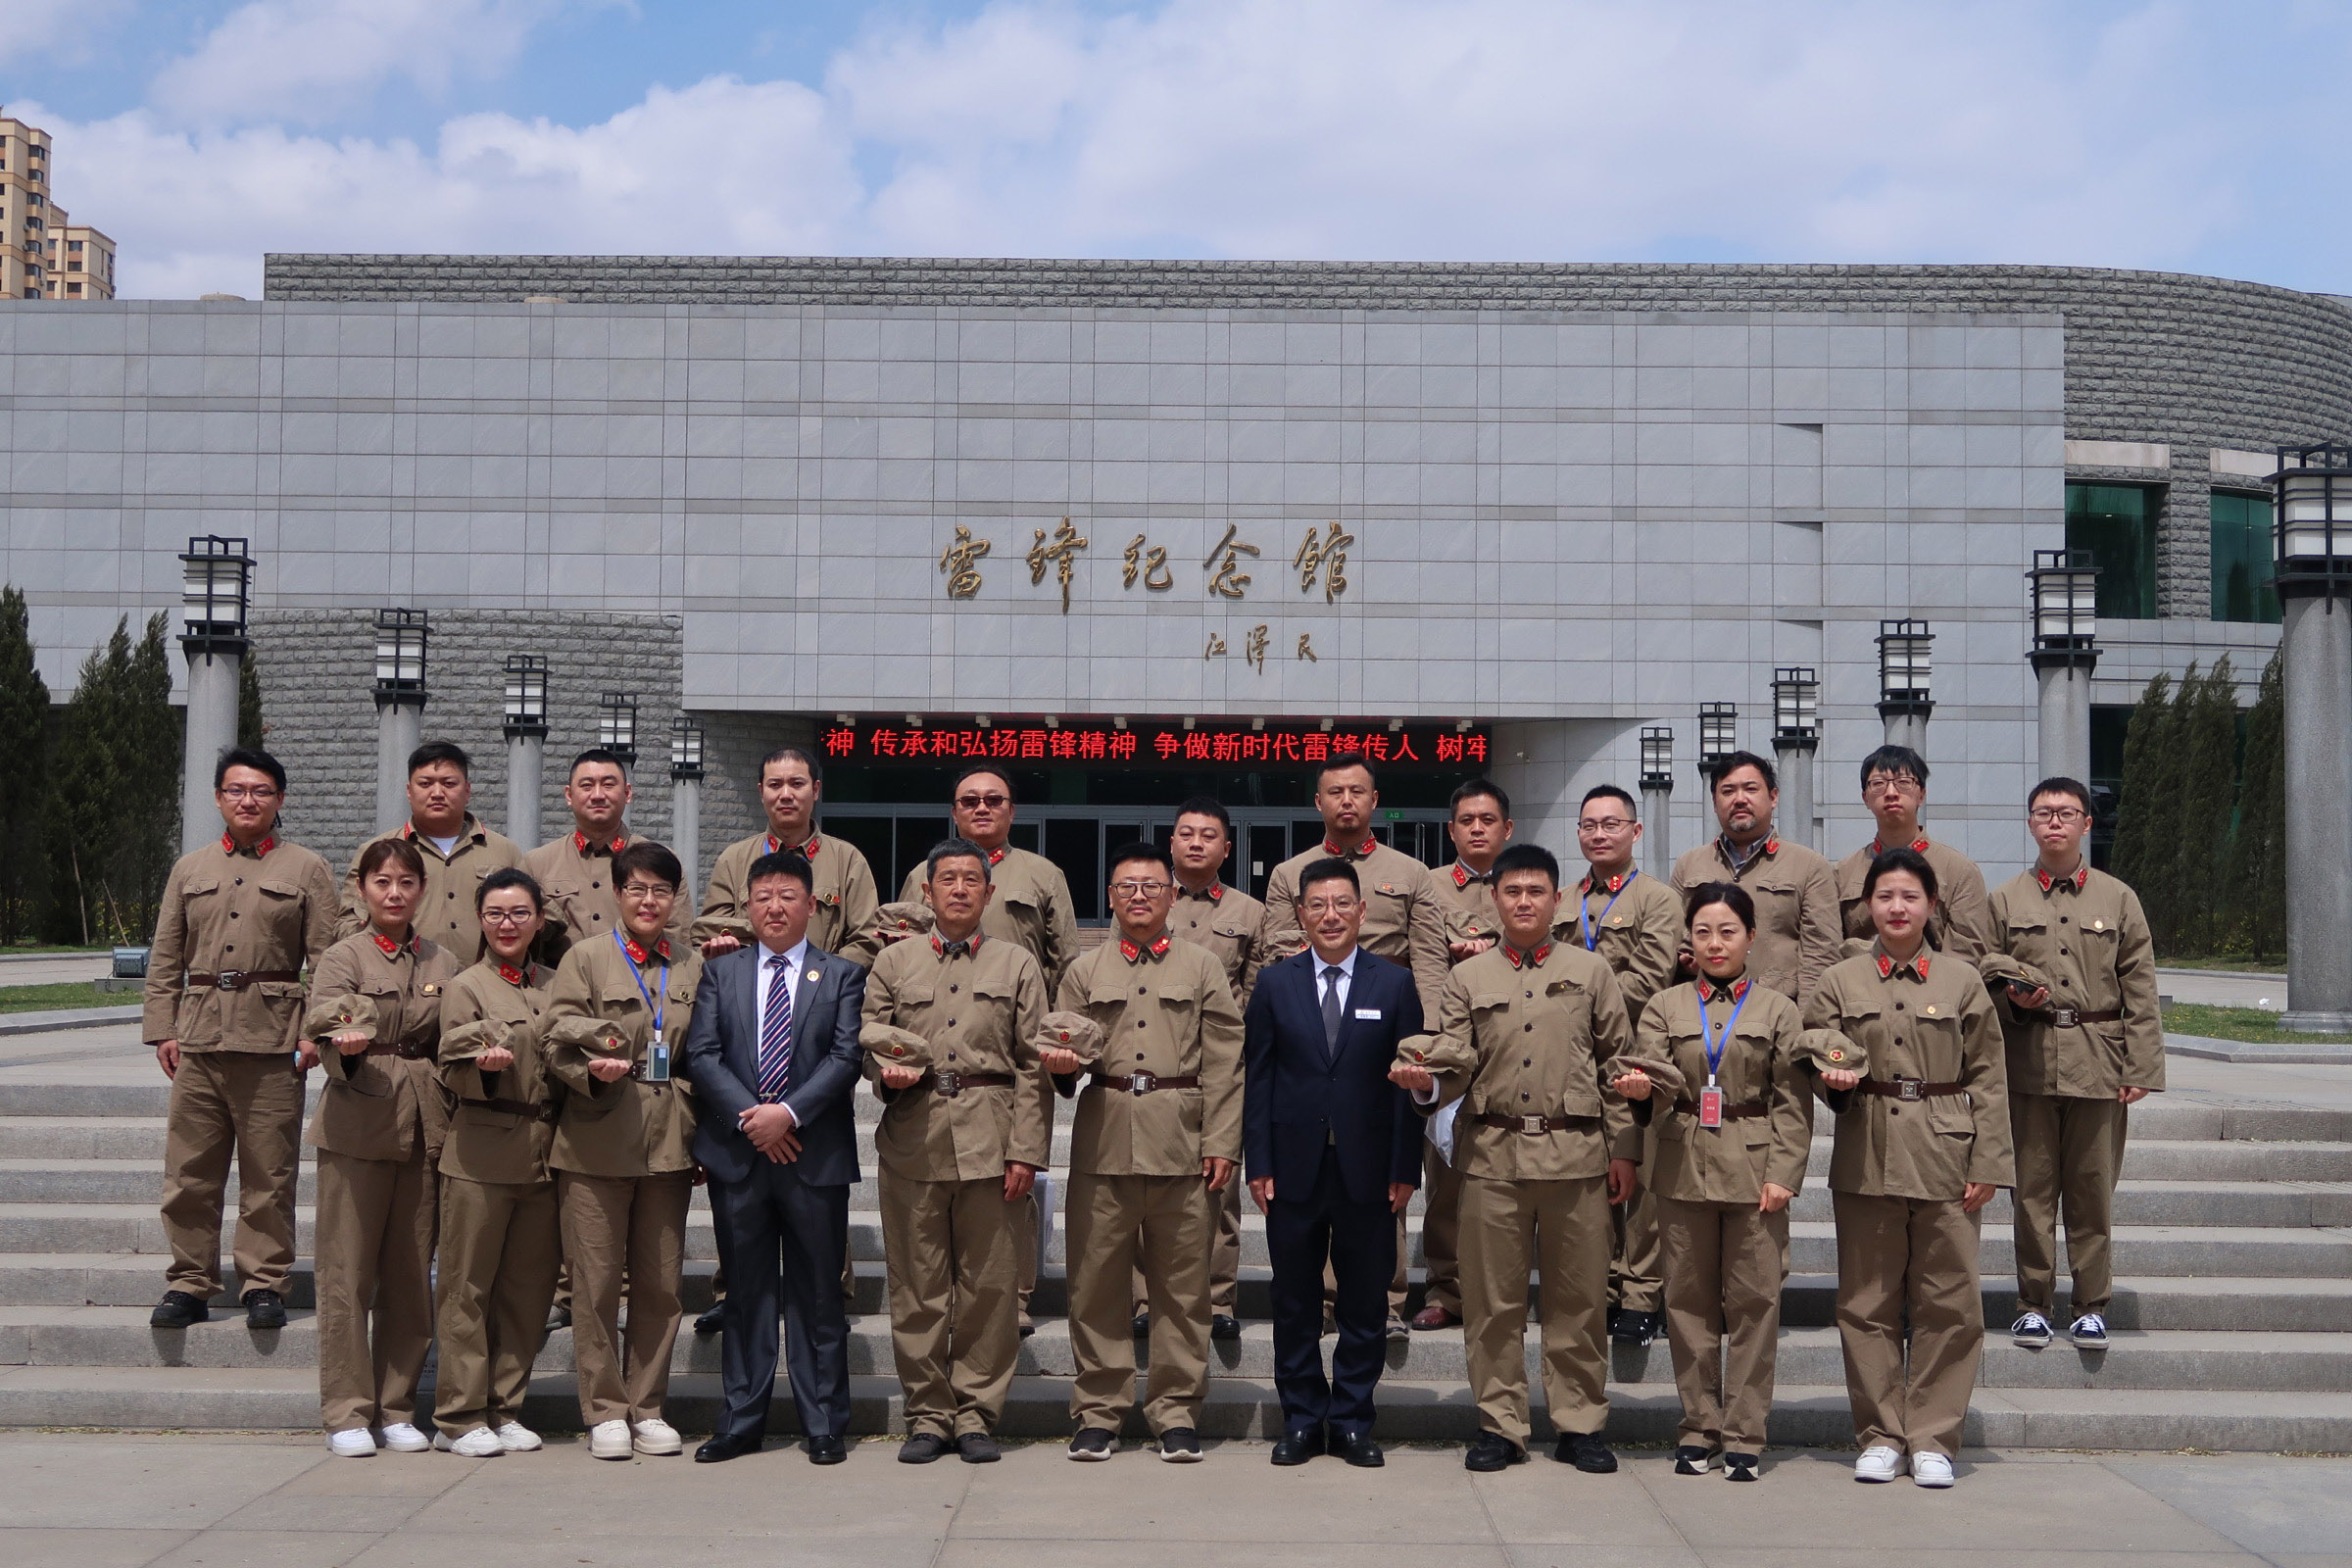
622,1153
375,1012
1732,1145
1921,1145
499,1245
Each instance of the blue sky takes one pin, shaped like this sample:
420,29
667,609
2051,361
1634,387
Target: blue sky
2193,137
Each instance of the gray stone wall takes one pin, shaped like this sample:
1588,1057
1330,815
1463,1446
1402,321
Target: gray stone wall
318,675
2195,361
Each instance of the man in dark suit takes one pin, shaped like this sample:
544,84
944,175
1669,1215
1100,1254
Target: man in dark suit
773,1055
1334,1153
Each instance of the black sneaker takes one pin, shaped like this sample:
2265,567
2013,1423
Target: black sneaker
978,1447
1224,1326
1179,1445
2089,1332
1494,1452
264,1309
1092,1445
1143,1324
1589,1451
922,1447
1740,1466
1689,1459
1630,1327
2031,1330
177,1310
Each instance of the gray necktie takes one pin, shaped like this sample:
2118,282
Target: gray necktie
1331,1005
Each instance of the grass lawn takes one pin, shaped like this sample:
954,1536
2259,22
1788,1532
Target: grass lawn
2254,1025
2275,965
44,999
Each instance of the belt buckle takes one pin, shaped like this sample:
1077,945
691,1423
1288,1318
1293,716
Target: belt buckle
1910,1089
1143,1083
1532,1126
229,980
2066,1017
949,1084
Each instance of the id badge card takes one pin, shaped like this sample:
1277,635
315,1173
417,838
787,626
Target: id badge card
1710,1106
657,1062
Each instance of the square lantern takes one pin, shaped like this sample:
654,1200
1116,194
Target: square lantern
2066,596
400,645
2311,532
616,724
1795,705
1904,661
216,587
526,694
1718,733
685,748
1657,757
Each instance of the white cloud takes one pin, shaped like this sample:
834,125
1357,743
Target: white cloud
61,28
308,60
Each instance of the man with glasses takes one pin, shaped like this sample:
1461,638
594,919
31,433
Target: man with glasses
1157,1134
458,851
574,872
1794,889
240,918
2073,976
1894,786
1634,923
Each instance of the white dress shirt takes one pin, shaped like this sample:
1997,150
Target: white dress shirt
1347,968
794,960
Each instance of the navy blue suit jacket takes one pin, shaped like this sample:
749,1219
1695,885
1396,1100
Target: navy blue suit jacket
722,1062
1298,1098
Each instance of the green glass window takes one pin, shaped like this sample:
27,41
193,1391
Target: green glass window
2117,524
2241,558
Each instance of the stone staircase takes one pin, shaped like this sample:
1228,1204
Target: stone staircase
2232,1318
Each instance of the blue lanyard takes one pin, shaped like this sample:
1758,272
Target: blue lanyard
1716,1045
638,975
1584,918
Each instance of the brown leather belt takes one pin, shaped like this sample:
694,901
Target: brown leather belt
536,1110
1731,1112
1533,1125
239,979
1142,1083
2069,1017
952,1084
1910,1089
405,1052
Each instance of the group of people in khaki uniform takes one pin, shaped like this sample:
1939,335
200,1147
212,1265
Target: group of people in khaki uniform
1620,1081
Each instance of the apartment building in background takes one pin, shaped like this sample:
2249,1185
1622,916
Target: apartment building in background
43,254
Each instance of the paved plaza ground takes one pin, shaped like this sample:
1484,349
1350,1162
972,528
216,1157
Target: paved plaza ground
114,1502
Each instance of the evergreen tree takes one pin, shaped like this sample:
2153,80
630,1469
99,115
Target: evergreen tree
2147,828
2260,870
150,815
24,786
115,818
250,728
2205,869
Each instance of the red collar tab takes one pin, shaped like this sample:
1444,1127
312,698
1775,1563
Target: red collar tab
1613,886
391,949
514,976
1918,966
637,954
947,949
2079,881
807,851
1135,955
1358,852
267,842
1213,892
1527,960
582,844
1463,876
995,856
1772,845
1716,990
1919,845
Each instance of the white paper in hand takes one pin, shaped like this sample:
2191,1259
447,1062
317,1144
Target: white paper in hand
1439,1130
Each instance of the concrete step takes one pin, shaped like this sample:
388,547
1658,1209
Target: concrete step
204,1398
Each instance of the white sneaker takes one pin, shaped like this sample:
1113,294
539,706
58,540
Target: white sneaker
516,1437
1931,1470
479,1443
656,1437
402,1436
354,1444
609,1441
1879,1462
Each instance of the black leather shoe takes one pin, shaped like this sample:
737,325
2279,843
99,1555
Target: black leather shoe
1630,1327
1692,1459
1358,1448
1589,1451
177,1310
1494,1452
559,1317
264,1309
1224,1326
922,1447
1296,1447
1143,1324
726,1445
827,1450
711,1318
978,1447
1740,1466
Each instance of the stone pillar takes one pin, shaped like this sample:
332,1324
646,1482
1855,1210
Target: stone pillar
1793,759
1907,724
214,666
2065,729
2316,662
686,828
399,730
1657,835
526,763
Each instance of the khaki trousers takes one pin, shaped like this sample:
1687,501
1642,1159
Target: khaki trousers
496,1276
1900,1257
615,1225
955,1330
1024,1255
1561,1229
1637,1261
248,1102
2068,1154
1106,1216
375,1220
1224,1254
1725,1264
1441,1234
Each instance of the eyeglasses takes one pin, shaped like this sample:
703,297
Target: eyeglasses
508,916
1139,889
973,802
2057,814
248,791
1328,905
1605,824
1899,781
649,890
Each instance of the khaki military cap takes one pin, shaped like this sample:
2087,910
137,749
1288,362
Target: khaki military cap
892,1047
1073,1032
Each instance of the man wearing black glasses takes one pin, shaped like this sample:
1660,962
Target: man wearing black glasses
2073,976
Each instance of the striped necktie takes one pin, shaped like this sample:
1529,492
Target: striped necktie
775,1032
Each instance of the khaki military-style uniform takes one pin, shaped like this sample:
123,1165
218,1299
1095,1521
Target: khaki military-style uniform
574,874
378,1130
500,1245
1960,924
1930,1116
1467,899
1526,1037
842,886
1796,892
2085,938
1226,922
446,913
623,1158
943,1144
1726,1259
1636,923
1165,1095
224,978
